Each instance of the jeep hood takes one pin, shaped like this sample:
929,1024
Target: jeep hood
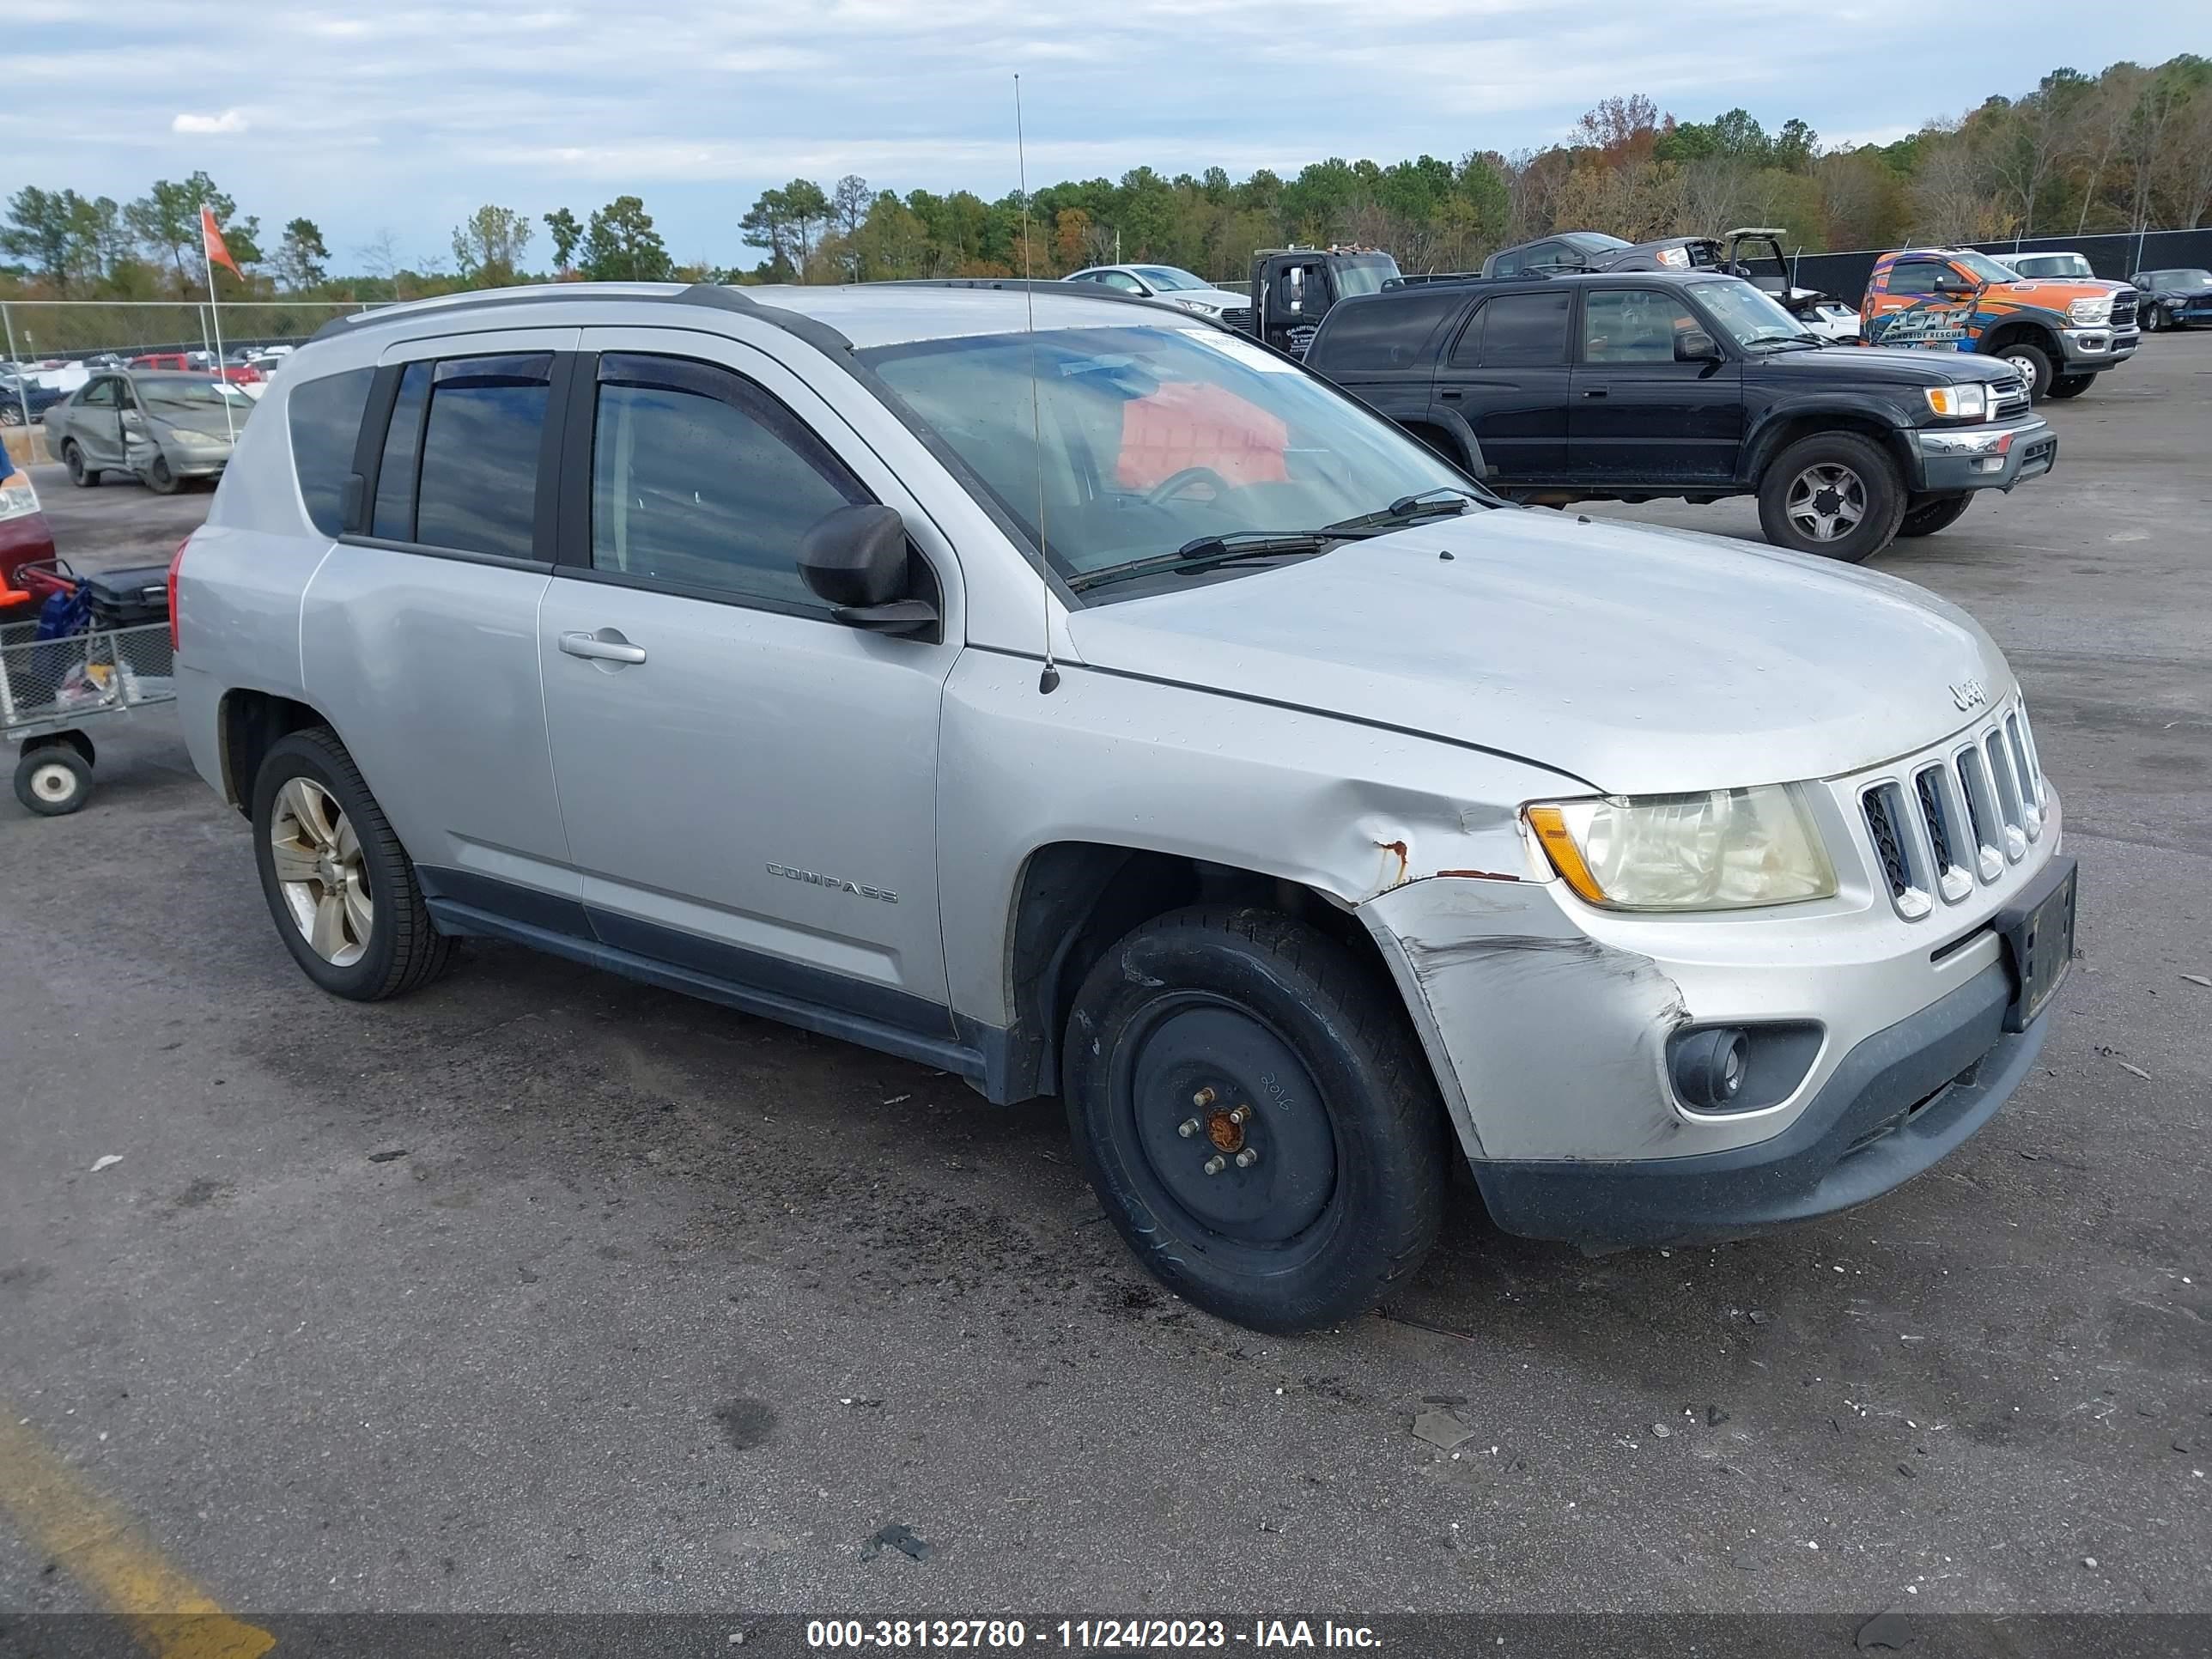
1639,660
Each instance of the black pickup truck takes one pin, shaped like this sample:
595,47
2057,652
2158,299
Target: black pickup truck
1601,387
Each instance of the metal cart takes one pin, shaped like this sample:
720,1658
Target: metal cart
52,690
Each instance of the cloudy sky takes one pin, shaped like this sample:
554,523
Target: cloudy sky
370,117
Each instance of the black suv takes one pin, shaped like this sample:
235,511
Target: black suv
1627,387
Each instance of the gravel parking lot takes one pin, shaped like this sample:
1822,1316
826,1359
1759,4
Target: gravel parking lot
542,1291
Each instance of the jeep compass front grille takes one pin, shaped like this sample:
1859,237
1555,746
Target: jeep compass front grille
1957,819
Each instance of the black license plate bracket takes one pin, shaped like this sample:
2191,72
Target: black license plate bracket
2039,936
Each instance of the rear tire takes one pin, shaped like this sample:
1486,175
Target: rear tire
345,900
53,780
83,477
1329,1190
1926,515
1836,494
2033,363
2071,385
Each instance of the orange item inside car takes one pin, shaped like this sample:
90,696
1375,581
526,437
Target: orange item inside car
1183,425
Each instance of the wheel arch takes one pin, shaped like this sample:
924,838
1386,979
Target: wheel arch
249,723
1075,899
1784,425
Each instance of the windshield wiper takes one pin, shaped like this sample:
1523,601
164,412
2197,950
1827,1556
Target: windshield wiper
1411,509
1799,341
1205,552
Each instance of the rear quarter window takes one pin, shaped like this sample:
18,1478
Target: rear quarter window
1383,333
323,417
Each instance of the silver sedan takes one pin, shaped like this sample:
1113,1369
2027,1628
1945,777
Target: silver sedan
162,427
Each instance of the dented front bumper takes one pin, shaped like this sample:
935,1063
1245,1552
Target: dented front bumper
1549,1023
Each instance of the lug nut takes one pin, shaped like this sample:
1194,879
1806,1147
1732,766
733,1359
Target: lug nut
1216,1164
1187,1127
1204,1098
1247,1158
1240,1114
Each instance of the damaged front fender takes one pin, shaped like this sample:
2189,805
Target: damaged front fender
1547,1043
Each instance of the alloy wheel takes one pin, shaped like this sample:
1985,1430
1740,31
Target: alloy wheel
321,872
1827,502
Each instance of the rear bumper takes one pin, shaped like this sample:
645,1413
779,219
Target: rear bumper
1899,1102
1954,459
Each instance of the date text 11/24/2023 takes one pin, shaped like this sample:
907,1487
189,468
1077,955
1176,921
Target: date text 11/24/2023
1084,1635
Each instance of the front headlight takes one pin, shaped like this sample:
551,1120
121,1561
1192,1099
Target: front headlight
17,499
1964,403
1725,849
2092,313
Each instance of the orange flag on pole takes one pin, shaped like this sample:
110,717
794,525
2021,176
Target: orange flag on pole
211,244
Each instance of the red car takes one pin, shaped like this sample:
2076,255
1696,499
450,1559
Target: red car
187,361
24,539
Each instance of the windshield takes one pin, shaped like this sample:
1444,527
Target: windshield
1982,268
1364,275
1170,278
1594,241
187,398
1154,437
1751,318
2051,264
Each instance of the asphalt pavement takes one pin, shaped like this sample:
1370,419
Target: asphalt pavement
544,1292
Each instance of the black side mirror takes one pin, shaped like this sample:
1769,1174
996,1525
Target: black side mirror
1694,345
856,560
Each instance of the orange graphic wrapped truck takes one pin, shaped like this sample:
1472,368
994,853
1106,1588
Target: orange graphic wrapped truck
2060,334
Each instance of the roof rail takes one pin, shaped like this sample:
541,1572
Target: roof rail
478,299
1051,285
1422,279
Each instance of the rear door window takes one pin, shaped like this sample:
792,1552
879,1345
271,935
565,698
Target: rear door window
325,419
1523,330
459,468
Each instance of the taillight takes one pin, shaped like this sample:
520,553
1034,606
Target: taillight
176,565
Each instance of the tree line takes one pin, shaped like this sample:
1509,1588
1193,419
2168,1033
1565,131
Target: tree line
2126,149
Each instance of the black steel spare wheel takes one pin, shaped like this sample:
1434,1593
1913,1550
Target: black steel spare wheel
1257,1117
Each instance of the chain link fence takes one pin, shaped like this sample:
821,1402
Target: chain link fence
52,346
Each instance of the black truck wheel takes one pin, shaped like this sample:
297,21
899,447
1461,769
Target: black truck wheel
1257,1118
2071,385
1926,515
1836,494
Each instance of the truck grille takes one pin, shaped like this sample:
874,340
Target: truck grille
2011,396
1956,819
2123,308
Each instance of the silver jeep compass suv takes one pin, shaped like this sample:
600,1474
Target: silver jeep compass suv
1063,692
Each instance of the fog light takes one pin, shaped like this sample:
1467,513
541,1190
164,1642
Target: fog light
1709,1067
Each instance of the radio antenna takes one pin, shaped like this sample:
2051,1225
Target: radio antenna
1049,679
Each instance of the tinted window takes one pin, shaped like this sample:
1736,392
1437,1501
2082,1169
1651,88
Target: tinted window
325,417
1915,276
1391,333
1551,256
478,490
1505,264
700,478
1631,325
394,520
1523,328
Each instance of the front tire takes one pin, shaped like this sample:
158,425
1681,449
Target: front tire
2154,319
159,479
2071,385
1836,494
83,477
1257,1118
339,885
1926,515
2033,363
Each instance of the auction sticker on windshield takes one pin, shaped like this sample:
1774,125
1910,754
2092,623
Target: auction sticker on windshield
1248,353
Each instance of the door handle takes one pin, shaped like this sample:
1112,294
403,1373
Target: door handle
601,647
1451,394
1593,391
